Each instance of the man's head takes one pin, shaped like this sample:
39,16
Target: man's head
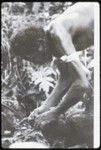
31,44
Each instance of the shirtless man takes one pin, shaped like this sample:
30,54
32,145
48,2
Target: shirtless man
68,33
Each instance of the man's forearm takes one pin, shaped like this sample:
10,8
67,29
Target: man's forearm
73,95
58,92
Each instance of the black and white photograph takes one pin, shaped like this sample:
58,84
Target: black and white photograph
50,75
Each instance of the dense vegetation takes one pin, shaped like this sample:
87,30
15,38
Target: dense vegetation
22,89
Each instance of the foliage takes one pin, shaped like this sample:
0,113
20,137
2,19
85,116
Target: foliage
24,83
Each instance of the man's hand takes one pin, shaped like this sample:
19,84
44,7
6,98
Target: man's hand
46,118
36,112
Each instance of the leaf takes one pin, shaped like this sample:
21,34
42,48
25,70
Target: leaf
38,81
44,86
49,79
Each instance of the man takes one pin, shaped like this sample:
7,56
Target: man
71,31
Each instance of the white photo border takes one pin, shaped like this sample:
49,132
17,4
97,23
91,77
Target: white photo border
97,75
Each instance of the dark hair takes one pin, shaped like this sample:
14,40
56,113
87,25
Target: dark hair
25,43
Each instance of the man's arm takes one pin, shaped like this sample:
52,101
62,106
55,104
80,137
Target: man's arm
78,85
73,95
60,89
